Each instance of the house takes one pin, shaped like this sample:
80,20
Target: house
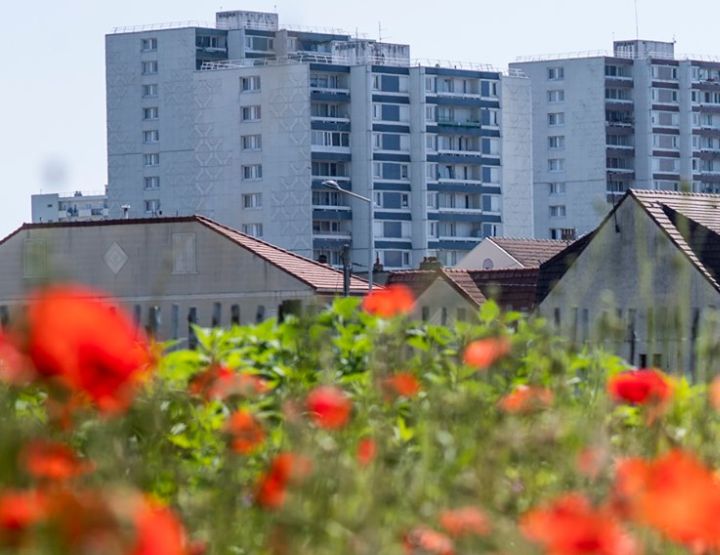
168,272
646,282
447,295
495,253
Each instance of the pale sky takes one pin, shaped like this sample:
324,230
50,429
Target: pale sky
52,99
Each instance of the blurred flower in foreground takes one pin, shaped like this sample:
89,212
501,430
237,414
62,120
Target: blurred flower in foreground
285,468
714,393
525,399
329,407
482,353
52,461
246,433
640,387
19,510
366,451
571,526
221,382
15,368
465,521
402,383
393,300
158,531
423,540
675,494
87,343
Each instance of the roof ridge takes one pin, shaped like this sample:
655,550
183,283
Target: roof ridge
656,192
207,221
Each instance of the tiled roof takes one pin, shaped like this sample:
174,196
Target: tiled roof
322,278
512,289
691,221
530,252
462,279
416,280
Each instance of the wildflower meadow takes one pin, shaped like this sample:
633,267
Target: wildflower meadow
352,429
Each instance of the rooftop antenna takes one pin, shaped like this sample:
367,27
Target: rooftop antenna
380,37
637,22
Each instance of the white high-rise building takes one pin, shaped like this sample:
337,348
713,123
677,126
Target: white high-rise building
243,120
641,117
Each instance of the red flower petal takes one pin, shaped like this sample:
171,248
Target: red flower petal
329,407
393,300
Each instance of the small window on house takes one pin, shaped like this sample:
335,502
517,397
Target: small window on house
153,323
175,321
4,316
557,317
643,360
260,314
192,320
444,316
425,313
235,315
137,315
216,315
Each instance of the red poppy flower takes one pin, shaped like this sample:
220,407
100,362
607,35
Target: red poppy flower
571,526
525,399
158,531
393,300
424,541
20,510
482,353
15,368
403,383
366,451
87,343
285,468
329,407
465,521
675,494
246,432
52,461
640,387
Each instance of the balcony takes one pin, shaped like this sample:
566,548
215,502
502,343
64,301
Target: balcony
458,123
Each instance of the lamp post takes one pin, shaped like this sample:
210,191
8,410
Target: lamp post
332,184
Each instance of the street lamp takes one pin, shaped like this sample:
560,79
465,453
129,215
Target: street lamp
332,184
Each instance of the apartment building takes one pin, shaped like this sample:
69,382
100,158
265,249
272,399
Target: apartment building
243,120
68,207
641,117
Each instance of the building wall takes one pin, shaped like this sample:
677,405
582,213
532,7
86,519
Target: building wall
441,304
582,181
487,256
633,279
180,264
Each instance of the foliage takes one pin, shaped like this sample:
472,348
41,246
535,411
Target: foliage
385,479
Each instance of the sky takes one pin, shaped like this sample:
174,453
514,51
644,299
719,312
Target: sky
52,98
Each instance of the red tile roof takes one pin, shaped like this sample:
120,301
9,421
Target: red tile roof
322,278
530,252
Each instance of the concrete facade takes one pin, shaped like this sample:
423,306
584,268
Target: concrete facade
167,272
640,117
244,121
75,207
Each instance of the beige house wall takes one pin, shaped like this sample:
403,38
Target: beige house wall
632,276
442,304
173,266
487,250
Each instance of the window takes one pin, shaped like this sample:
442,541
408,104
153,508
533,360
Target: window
252,200
249,84
667,96
152,206
327,198
150,91
235,314
666,165
216,315
175,321
252,172
556,164
619,140
666,141
250,113
148,45
210,42
151,159
665,73
617,94
556,95
556,119
556,73
430,113
490,117
152,136
431,142
329,169
618,71
395,259
330,139
151,113
563,234
665,119
259,44
256,230
154,320
251,142
149,68
429,84
558,211
192,321
152,182
556,188
327,227
556,142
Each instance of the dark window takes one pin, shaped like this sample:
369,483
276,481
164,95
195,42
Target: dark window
137,314
444,316
425,313
217,315
291,306
175,321
153,324
192,320
4,317
390,83
391,112
235,315
556,317
643,360
260,314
